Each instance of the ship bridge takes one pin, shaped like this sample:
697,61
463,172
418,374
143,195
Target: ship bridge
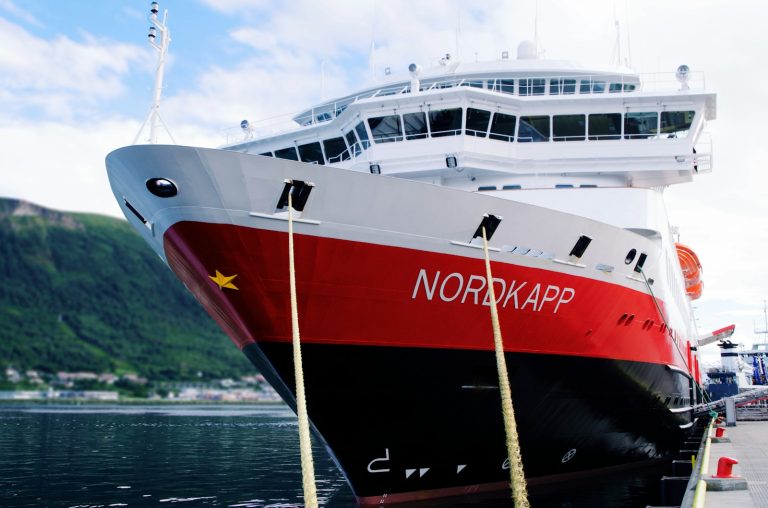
509,125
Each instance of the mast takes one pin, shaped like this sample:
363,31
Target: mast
161,46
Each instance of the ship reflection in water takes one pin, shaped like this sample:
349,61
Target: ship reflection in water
209,456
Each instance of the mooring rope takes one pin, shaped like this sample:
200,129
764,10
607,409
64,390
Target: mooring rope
516,476
305,444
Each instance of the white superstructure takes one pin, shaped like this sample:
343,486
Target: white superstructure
597,143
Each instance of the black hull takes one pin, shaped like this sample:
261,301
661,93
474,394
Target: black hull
432,417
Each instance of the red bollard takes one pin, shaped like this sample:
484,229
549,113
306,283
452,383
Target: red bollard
719,432
725,467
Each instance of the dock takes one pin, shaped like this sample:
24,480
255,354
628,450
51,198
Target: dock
749,445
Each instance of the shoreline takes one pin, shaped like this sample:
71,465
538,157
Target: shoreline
137,402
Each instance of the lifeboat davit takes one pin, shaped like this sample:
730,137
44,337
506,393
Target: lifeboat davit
691,266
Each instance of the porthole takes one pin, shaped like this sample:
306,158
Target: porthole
630,256
162,187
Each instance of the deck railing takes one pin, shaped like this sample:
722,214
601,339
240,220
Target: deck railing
532,86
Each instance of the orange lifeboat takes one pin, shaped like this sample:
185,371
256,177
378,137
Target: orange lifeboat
691,267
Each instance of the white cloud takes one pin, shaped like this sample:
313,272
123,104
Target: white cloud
60,165
60,74
14,10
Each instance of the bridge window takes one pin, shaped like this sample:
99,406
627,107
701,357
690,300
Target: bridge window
354,146
503,127
475,84
605,126
477,122
641,125
311,152
614,88
629,87
287,153
335,150
532,86
415,125
533,128
267,154
445,122
676,124
504,85
362,134
386,129
569,127
562,86
591,86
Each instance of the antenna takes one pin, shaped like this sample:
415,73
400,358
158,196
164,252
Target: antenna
538,51
764,331
629,44
161,46
322,79
458,29
372,57
536,29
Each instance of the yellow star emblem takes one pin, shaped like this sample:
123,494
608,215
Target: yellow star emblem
223,281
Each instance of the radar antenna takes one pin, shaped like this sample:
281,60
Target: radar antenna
764,331
157,29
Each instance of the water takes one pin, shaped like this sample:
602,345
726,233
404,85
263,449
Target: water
241,456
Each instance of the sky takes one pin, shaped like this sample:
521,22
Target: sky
76,81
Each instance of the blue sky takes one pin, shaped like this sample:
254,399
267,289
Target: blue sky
76,79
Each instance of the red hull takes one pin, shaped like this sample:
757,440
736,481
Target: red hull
366,294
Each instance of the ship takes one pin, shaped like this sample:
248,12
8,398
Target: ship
564,166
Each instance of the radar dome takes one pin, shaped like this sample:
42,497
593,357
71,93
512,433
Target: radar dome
526,50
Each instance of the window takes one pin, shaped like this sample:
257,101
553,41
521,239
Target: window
533,128
569,127
389,91
415,125
362,134
386,129
641,125
614,87
477,122
445,122
503,127
446,84
605,126
335,150
287,153
562,86
504,85
267,154
354,146
629,87
532,86
473,83
585,86
311,152
598,86
675,124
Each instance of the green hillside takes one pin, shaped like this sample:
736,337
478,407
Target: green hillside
84,292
